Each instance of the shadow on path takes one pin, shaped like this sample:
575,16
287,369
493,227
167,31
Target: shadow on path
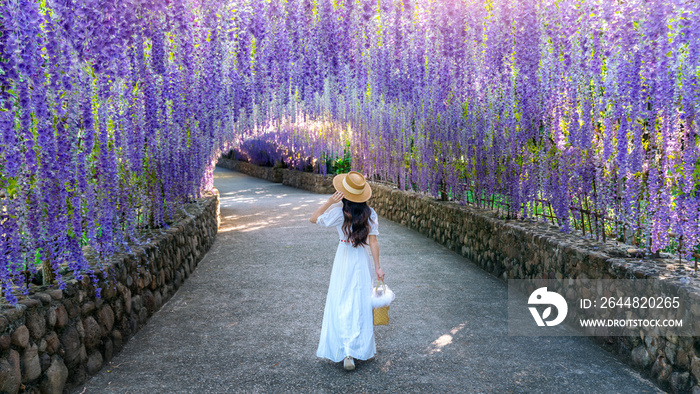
249,318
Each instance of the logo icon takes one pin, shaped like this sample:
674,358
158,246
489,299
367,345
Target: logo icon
543,297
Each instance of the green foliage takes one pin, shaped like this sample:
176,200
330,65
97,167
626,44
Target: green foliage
9,184
341,165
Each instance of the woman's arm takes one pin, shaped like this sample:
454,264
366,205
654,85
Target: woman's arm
336,197
374,248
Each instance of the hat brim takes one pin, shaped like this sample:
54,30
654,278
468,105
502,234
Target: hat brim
338,185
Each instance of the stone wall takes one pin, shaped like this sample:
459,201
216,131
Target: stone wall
519,249
316,183
301,180
268,173
56,339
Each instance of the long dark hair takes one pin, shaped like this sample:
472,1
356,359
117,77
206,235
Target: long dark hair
356,224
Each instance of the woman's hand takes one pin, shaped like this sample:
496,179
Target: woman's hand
336,197
380,274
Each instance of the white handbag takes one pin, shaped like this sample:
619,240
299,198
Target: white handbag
381,298
381,295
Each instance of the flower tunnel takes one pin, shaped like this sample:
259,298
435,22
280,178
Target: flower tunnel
114,112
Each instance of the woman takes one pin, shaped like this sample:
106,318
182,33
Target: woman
347,331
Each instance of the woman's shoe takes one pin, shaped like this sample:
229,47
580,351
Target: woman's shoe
349,364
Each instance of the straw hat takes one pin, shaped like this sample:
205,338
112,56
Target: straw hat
353,186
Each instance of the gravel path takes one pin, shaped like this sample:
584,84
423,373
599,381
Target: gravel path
249,318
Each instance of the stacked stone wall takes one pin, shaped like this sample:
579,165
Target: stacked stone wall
315,183
55,339
520,249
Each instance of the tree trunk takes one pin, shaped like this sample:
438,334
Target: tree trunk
47,271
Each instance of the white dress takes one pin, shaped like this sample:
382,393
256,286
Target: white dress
348,325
